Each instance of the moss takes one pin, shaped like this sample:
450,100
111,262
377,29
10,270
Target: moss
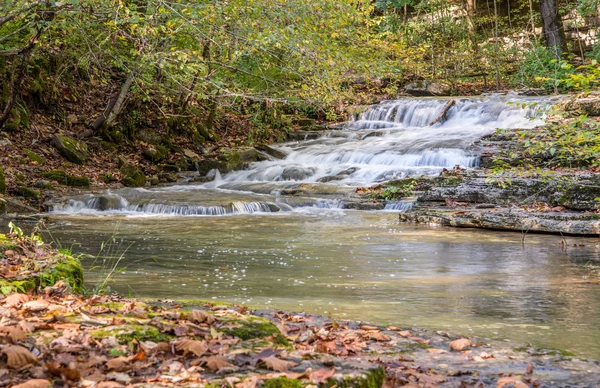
282,382
74,151
68,269
65,179
127,333
373,378
2,181
33,156
255,327
29,192
133,177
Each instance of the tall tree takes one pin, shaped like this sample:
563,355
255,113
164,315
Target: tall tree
554,33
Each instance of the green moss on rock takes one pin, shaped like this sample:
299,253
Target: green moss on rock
67,268
74,151
33,156
132,176
28,192
127,333
65,179
255,327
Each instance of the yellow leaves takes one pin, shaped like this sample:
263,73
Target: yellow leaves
18,357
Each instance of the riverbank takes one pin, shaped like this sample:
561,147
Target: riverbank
54,335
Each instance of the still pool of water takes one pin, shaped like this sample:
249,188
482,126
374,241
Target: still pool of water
362,266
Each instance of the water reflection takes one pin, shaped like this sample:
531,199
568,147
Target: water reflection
363,266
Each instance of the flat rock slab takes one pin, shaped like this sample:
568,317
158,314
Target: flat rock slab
513,219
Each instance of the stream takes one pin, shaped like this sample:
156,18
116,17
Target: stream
241,239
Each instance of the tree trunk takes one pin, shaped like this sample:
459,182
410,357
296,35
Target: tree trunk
114,106
554,33
470,7
14,90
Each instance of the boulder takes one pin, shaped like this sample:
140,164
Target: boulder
587,104
155,153
74,151
63,178
132,176
271,151
423,88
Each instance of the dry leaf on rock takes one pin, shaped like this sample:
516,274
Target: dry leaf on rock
515,381
377,336
460,344
18,356
109,384
35,383
198,348
321,375
405,333
14,300
250,382
276,364
215,363
199,316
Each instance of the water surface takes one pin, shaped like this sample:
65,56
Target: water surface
363,266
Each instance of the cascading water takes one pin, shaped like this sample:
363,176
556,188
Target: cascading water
395,139
391,140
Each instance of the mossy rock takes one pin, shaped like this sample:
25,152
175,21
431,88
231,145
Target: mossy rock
155,153
65,179
2,181
27,192
68,269
127,333
373,378
74,151
253,328
33,156
132,176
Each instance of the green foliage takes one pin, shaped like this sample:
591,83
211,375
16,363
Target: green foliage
65,179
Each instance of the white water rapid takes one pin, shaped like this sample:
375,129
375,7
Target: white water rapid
391,140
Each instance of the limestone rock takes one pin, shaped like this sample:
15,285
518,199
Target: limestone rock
422,88
586,104
74,151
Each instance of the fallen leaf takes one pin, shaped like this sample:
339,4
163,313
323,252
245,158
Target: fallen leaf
369,327
377,336
198,348
321,375
15,334
18,356
215,363
514,381
35,383
199,316
117,363
435,350
275,364
36,305
15,300
405,333
460,344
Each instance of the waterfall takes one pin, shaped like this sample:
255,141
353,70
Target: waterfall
394,139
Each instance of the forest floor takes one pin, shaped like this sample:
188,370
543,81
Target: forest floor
52,335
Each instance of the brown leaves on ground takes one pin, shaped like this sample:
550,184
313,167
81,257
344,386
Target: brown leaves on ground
460,344
189,346
35,383
199,316
276,364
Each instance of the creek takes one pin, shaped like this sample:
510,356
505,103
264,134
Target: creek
241,239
